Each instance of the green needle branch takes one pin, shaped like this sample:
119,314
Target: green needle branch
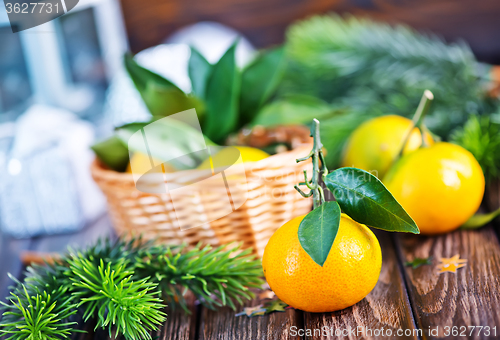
133,307
124,286
215,276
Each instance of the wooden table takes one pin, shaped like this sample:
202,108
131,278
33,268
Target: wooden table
405,300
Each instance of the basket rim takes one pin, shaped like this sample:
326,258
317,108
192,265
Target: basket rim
100,170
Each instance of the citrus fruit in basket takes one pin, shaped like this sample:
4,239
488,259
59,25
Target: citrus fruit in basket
224,157
440,186
141,164
350,272
375,144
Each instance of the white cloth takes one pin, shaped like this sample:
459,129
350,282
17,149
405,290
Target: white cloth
41,127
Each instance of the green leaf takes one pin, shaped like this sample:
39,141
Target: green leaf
113,152
142,76
165,101
222,96
260,80
417,262
161,96
199,70
479,220
170,140
297,109
366,200
275,306
318,230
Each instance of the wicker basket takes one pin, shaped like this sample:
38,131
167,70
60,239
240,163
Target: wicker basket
271,201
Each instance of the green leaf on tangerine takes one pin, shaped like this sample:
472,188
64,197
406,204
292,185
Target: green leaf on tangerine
318,230
479,220
366,200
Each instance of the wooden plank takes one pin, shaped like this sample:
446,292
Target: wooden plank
180,325
383,313
89,332
10,252
468,298
99,228
222,324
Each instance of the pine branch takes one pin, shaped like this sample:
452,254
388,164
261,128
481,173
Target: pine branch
41,307
481,136
119,284
217,277
114,250
38,316
373,68
347,45
109,292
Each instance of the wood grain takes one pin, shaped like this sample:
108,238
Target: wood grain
149,22
224,325
468,298
387,307
180,325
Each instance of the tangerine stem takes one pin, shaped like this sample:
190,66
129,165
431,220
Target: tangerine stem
317,157
418,118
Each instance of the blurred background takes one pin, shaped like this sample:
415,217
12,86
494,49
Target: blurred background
63,85
264,22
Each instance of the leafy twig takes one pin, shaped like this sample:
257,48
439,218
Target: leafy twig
357,193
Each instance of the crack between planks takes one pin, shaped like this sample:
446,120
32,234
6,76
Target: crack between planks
300,321
495,224
197,322
402,272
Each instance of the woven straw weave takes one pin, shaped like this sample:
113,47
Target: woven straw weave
271,199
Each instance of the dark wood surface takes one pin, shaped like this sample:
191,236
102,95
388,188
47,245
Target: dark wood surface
263,22
471,297
223,324
387,306
180,325
404,298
